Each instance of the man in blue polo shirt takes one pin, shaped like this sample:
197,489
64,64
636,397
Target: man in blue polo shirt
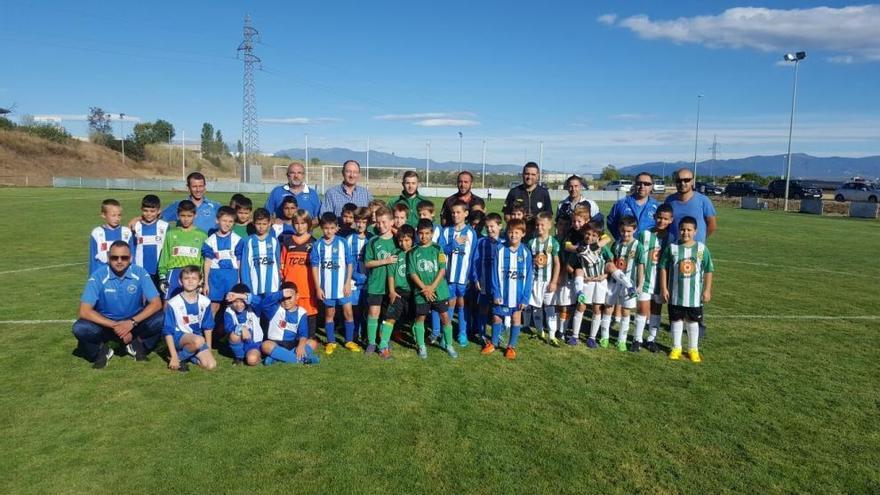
206,210
348,192
639,204
118,303
686,202
306,197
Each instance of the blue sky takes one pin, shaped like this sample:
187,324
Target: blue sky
613,83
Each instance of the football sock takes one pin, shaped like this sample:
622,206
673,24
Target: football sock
676,327
372,327
284,355
514,336
237,349
447,334
496,333
462,323
451,310
595,323
552,321
606,326
435,323
578,285
481,324
386,334
640,328
576,323
622,279
418,330
653,326
623,331
538,319
330,330
349,331
693,335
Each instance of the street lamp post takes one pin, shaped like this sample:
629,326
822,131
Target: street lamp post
427,163
697,134
796,58
122,135
460,137
484,165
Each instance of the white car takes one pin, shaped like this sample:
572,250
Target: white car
857,191
659,186
622,185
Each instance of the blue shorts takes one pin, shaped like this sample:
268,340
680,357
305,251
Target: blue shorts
179,335
252,346
503,311
332,303
457,290
219,283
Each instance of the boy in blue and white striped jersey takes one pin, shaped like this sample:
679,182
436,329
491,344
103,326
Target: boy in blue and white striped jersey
149,234
357,242
483,264
332,267
189,323
242,327
458,242
261,257
103,236
511,287
222,252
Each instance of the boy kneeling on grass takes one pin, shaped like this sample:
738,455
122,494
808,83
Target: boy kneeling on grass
189,323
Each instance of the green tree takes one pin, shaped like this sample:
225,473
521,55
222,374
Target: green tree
163,131
99,122
207,138
220,148
315,161
239,147
610,173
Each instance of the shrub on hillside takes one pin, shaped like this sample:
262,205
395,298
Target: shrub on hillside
6,124
51,132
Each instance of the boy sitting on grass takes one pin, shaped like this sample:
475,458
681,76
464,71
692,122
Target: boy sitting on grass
189,323
242,326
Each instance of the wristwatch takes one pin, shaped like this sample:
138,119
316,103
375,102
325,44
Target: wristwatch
134,322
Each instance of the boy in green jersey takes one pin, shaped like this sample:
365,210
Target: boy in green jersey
594,281
182,247
426,266
399,290
688,266
626,253
244,208
378,255
650,304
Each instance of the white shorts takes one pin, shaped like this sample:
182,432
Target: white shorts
596,292
540,297
617,296
564,294
647,296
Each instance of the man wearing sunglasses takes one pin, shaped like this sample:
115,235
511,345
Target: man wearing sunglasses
638,204
121,303
686,202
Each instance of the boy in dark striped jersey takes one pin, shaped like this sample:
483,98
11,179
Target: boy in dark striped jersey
649,301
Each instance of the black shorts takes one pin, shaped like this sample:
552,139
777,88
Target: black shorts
399,307
679,313
287,344
313,325
425,308
155,278
375,299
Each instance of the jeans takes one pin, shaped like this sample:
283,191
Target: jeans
91,336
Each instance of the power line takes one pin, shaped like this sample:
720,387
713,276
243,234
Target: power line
249,126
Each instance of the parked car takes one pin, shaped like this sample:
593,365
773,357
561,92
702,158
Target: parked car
857,191
709,189
745,188
796,189
622,185
659,186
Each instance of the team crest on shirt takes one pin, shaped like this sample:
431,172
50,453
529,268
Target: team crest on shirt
519,259
428,265
401,271
282,324
540,204
131,289
620,263
103,246
655,255
185,319
441,258
686,267
541,260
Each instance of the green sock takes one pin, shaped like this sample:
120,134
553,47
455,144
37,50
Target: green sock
372,325
386,334
447,334
418,330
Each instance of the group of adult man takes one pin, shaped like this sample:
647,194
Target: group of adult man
121,302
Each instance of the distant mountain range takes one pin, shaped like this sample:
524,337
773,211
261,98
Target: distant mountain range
802,165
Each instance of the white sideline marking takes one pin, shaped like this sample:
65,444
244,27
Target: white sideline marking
801,268
32,322
795,317
35,268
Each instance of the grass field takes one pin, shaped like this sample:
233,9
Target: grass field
785,401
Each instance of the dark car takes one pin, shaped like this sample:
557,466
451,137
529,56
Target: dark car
709,189
796,189
745,188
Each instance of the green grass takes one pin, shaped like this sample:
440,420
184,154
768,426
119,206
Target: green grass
778,405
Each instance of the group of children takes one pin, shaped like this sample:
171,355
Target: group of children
266,281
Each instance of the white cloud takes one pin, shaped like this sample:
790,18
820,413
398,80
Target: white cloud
58,118
850,33
416,117
632,116
300,120
446,123
841,59
608,19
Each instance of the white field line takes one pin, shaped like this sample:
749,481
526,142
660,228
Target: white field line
35,268
794,317
32,322
800,268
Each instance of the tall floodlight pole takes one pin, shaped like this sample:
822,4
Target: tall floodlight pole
169,148
122,135
249,128
484,165
796,58
541,155
183,153
368,161
427,162
697,134
460,137
306,166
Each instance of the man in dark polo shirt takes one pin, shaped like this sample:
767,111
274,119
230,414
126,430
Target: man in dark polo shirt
533,198
473,202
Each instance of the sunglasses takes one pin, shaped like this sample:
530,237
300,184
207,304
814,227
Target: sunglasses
683,181
120,258
644,184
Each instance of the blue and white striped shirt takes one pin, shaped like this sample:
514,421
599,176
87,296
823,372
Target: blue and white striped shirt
356,245
223,252
459,254
332,258
512,277
260,264
149,238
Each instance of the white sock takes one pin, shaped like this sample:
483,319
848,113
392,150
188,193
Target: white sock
606,326
595,323
552,323
576,321
677,328
693,335
653,326
622,279
640,328
624,329
579,285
